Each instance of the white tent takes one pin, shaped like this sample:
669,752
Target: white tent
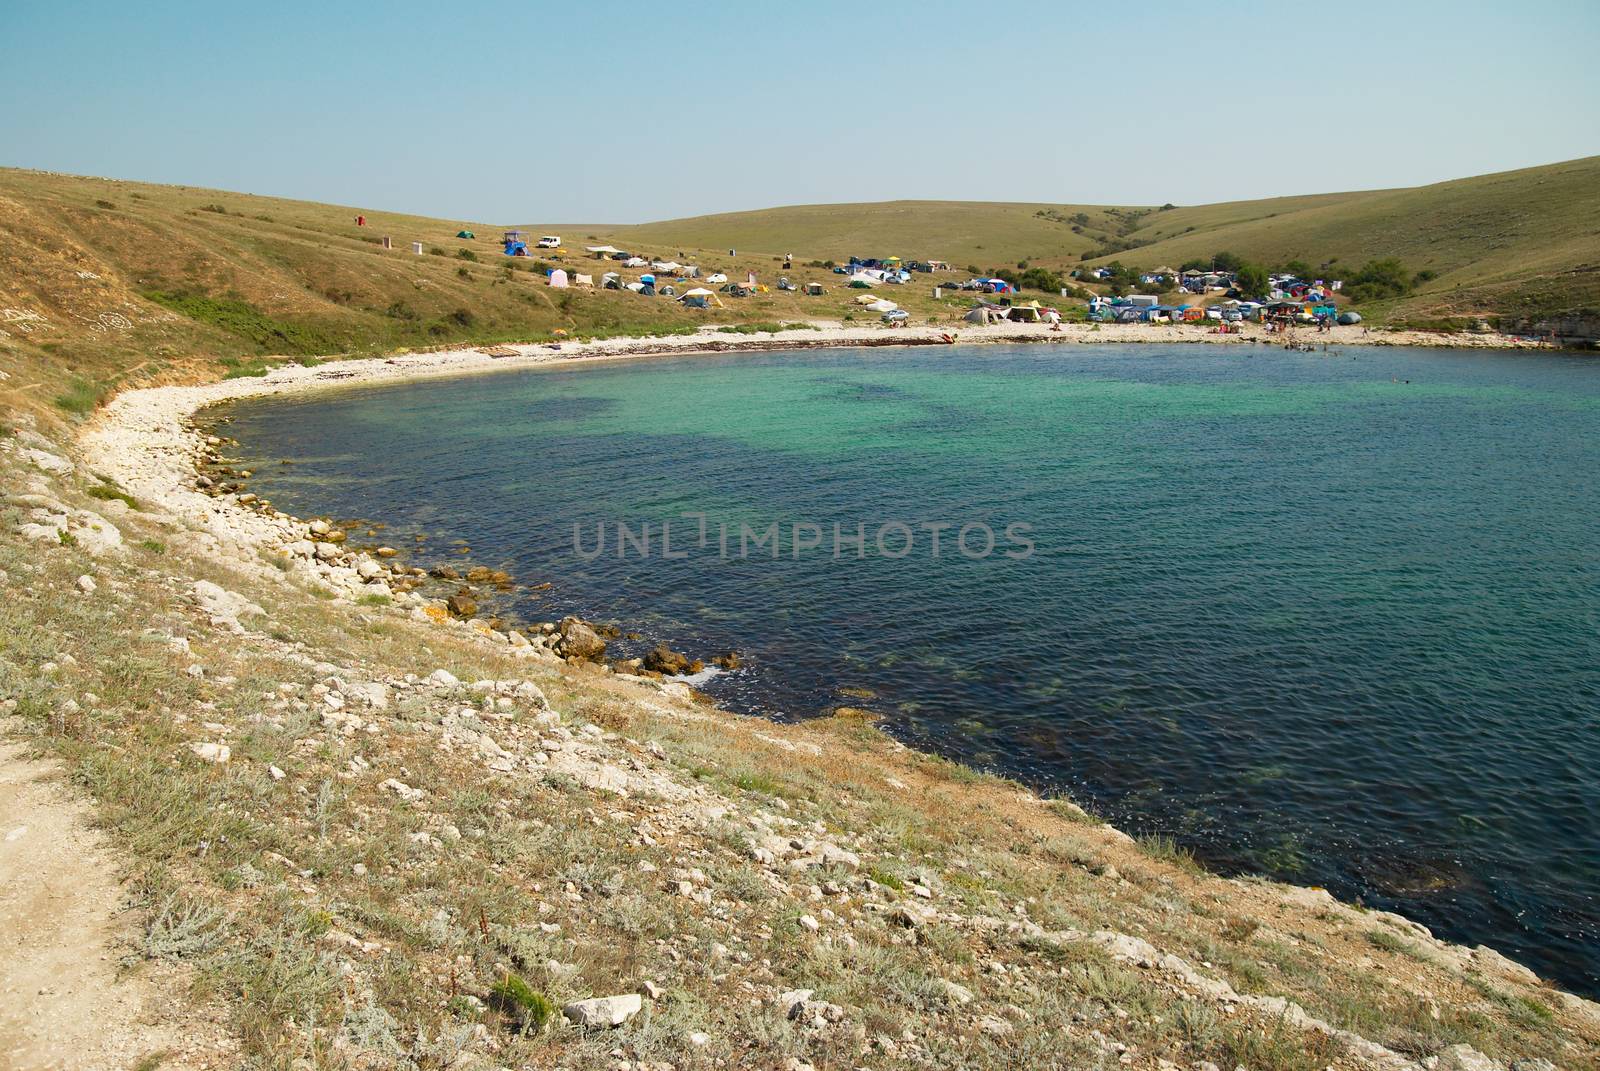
602,250
864,277
665,265
701,297
583,280
558,278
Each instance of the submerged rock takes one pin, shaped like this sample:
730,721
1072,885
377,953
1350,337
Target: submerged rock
664,659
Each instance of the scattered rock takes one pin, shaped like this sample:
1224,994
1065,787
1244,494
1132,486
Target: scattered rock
580,641
444,678
664,659
86,584
1466,1058
218,753
957,994
994,1025
224,607
604,1011
461,605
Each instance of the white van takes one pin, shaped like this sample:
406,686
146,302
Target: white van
550,241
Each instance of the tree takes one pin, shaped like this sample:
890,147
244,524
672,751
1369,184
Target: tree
1251,280
1226,262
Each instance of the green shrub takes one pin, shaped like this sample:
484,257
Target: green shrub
245,321
519,1001
107,493
81,396
466,254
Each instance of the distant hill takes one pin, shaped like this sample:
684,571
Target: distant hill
105,282
1518,243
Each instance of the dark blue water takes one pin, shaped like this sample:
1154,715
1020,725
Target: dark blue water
1333,618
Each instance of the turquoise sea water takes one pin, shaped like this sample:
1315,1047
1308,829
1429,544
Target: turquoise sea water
1331,617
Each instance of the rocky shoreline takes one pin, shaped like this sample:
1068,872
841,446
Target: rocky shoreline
147,445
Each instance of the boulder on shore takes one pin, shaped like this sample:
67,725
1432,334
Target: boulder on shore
578,640
664,659
462,605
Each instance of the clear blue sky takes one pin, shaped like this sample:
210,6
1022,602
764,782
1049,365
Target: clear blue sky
621,112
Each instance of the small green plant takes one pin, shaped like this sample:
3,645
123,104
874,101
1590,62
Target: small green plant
154,546
183,928
466,254
81,396
883,877
218,209
464,273
103,203
373,600
1162,847
519,1001
107,493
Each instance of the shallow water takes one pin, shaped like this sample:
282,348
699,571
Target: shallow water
1331,617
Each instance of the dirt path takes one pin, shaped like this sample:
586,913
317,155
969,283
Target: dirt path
63,930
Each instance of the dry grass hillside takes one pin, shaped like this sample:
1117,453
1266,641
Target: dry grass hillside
106,284
1518,243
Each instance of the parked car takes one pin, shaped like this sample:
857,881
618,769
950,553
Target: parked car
1213,313
550,241
896,316
716,277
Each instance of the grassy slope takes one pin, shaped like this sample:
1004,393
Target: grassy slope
246,277
1523,241
330,923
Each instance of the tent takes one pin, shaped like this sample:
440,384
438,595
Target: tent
983,314
558,278
583,280
611,281
700,298
601,250
1030,313
814,289
634,262
465,234
860,280
668,266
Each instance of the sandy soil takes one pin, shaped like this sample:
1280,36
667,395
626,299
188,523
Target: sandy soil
65,1001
